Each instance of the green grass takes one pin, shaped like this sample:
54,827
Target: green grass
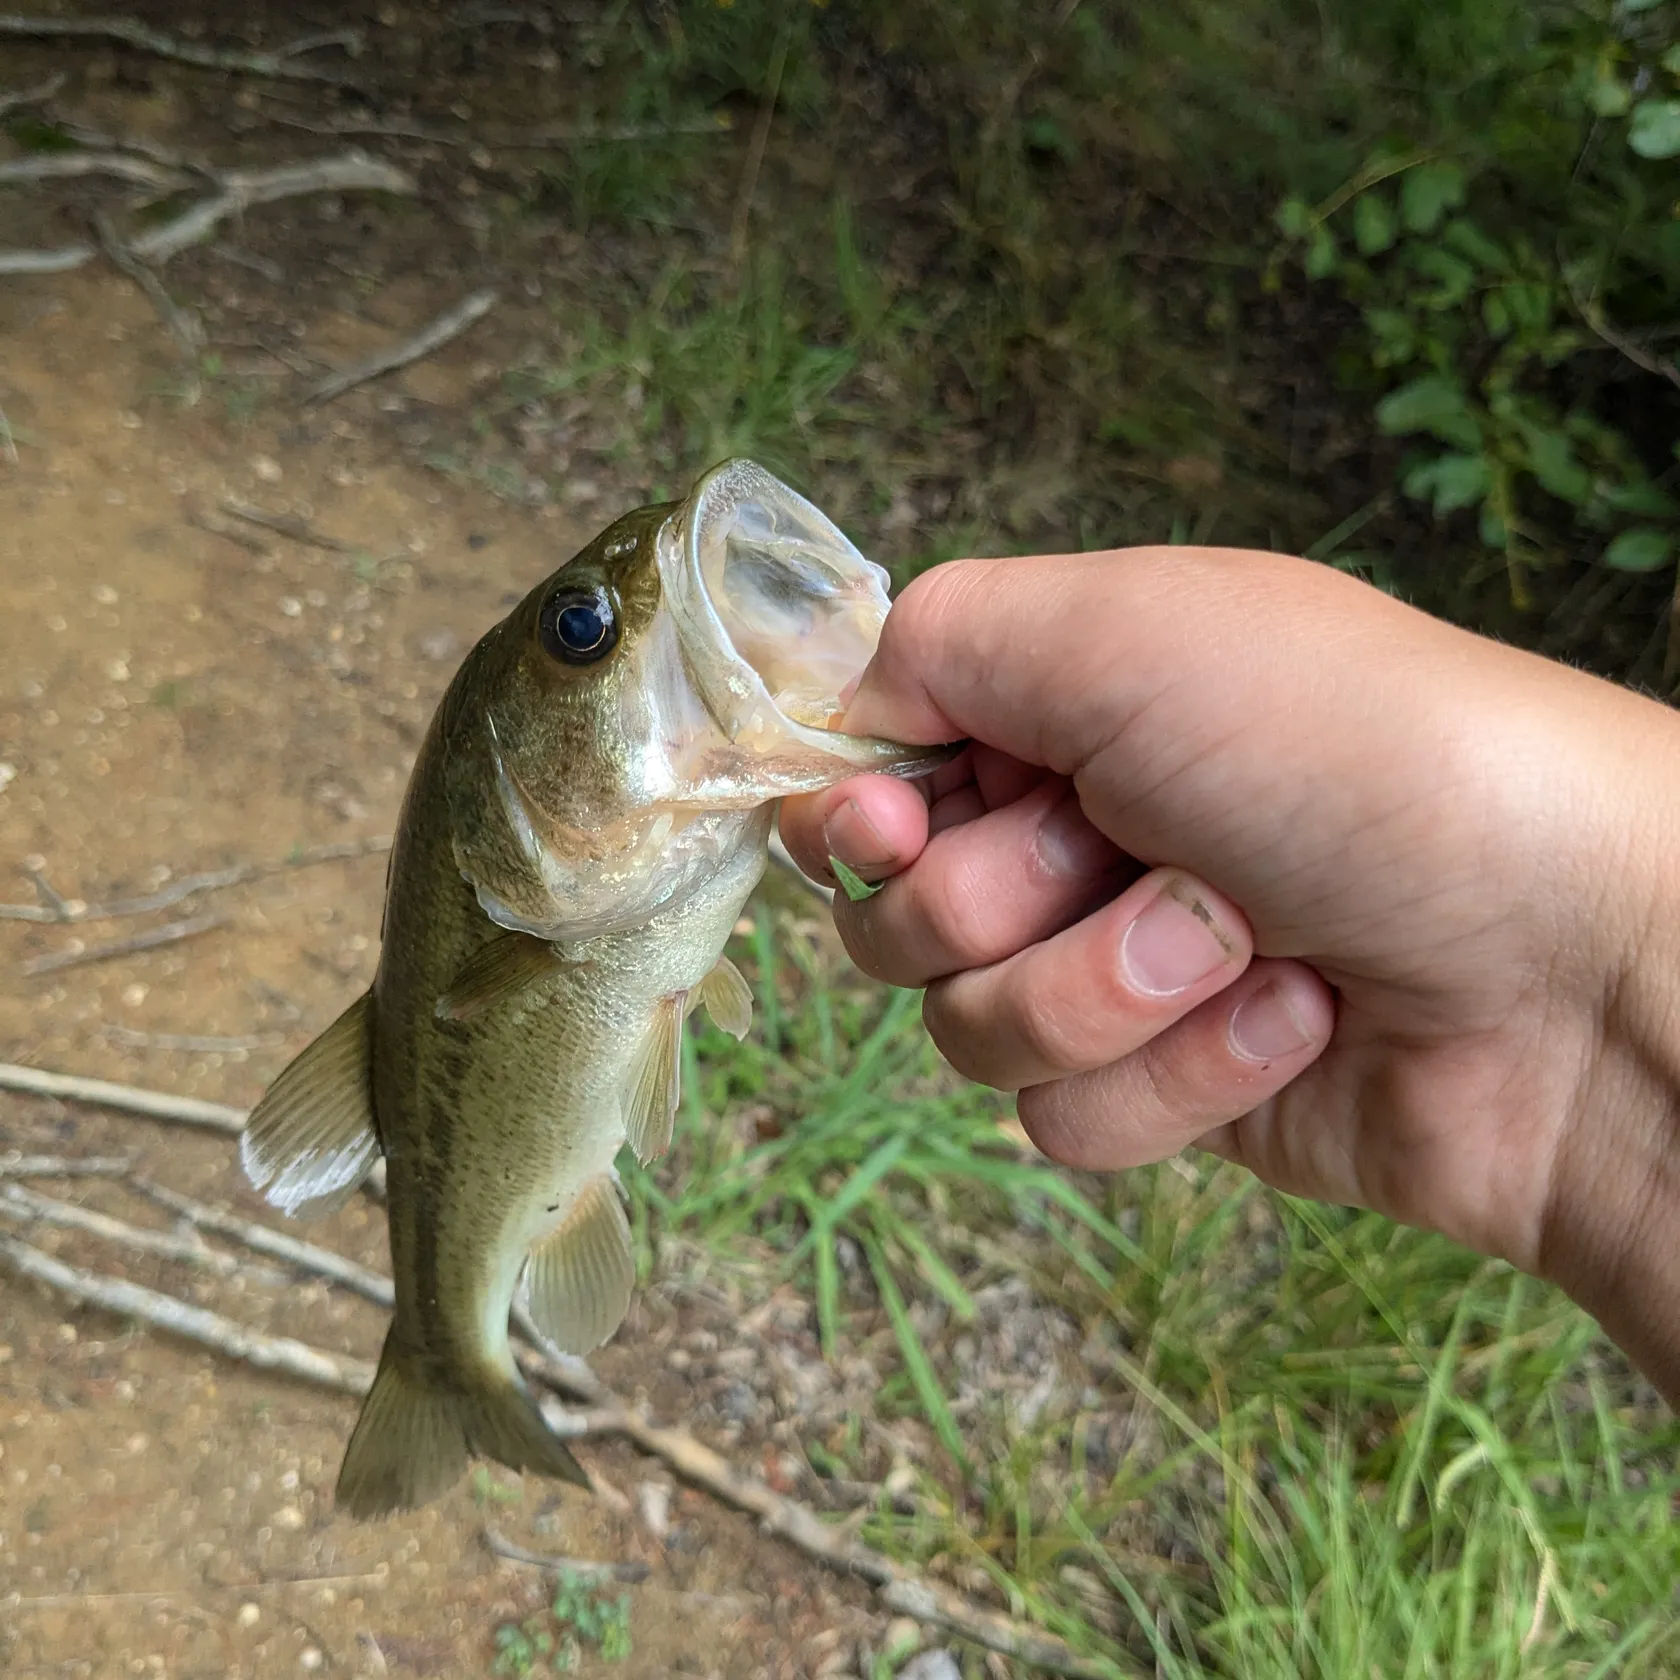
1283,1440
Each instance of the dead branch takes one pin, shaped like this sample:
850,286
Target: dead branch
238,190
583,1569
270,271
170,933
451,324
204,1044
158,1105
15,1164
287,525
30,1206
277,65
304,1256
184,326
211,880
54,166
37,95
193,1324
8,444
547,137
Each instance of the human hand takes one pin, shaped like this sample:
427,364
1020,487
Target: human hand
1250,856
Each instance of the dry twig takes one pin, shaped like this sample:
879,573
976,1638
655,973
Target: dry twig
15,1164
545,137
238,190
54,166
194,1324
184,326
262,1239
583,1569
29,1205
202,1044
286,525
158,1105
171,932
277,65
210,880
433,336
37,95
8,445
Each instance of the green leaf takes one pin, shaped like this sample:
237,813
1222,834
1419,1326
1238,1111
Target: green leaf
1494,531
1295,218
1452,481
1670,60
1552,460
1320,260
1608,97
1466,238
1373,223
1431,404
1642,549
1643,499
1642,5
1496,315
1654,131
1428,192
851,883
1456,276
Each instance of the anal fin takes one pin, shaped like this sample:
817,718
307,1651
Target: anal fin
655,1088
579,1278
310,1140
728,998
497,972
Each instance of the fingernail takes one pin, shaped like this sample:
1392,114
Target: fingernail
1174,943
1069,844
1266,1027
854,839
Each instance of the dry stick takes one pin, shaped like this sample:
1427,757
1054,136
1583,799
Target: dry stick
159,1105
60,165
210,880
755,155
238,190
15,1164
207,1044
184,327
37,95
187,928
544,138
18,1203
287,525
583,1569
8,445
433,336
306,1257
195,1324
131,33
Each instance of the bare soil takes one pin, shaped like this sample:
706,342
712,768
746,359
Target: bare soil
170,702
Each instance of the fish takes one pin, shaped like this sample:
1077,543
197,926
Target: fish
588,812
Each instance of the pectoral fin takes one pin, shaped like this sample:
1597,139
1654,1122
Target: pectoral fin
650,1104
728,998
579,1277
509,964
311,1140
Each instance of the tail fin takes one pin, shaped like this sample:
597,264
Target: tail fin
412,1441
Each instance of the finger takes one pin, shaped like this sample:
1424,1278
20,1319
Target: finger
983,890
876,824
1224,1059
1097,991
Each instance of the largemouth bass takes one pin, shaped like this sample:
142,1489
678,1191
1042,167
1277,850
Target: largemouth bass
587,814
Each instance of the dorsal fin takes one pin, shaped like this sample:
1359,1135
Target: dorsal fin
310,1140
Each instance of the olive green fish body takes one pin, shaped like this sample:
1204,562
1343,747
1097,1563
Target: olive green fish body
587,815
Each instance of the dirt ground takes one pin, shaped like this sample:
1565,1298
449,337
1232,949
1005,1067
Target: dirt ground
172,701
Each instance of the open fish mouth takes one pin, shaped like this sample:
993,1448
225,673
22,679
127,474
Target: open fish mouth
776,612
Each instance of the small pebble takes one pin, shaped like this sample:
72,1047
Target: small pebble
267,469
931,1665
248,1615
288,1516
653,1506
310,1659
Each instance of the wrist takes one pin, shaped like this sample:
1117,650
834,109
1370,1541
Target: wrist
1612,1229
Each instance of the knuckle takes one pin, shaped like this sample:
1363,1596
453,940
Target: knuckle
1048,1034
951,905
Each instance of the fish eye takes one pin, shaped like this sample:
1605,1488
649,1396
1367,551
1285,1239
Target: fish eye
578,626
